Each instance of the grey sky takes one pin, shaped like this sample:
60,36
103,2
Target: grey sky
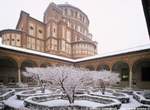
115,24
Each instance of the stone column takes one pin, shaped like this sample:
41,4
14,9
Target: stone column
19,73
130,77
38,82
110,67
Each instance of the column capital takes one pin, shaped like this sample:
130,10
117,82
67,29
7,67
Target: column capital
19,64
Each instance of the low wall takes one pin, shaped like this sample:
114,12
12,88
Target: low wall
7,93
34,102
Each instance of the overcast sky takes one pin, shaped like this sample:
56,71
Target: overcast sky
115,24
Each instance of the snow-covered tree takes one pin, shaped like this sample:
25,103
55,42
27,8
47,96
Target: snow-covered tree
104,78
38,74
69,79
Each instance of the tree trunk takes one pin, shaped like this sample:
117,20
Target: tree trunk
103,91
71,100
73,95
103,87
43,88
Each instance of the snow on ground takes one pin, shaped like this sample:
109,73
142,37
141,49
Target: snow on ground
14,103
61,102
29,92
131,105
106,93
109,94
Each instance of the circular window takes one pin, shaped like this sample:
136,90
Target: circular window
31,27
40,31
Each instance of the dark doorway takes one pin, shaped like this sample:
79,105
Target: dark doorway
145,73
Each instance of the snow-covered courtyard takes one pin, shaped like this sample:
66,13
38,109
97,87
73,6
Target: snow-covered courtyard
19,104
71,88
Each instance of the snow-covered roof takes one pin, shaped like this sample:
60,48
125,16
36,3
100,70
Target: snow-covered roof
35,52
129,50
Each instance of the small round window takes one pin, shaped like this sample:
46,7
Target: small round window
40,31
31,27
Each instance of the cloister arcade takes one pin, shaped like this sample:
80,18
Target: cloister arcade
134,67
11,71
13,64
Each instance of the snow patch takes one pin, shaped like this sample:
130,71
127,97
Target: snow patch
132,105
14,103
61,102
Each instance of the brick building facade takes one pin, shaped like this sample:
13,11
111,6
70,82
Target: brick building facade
64,32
